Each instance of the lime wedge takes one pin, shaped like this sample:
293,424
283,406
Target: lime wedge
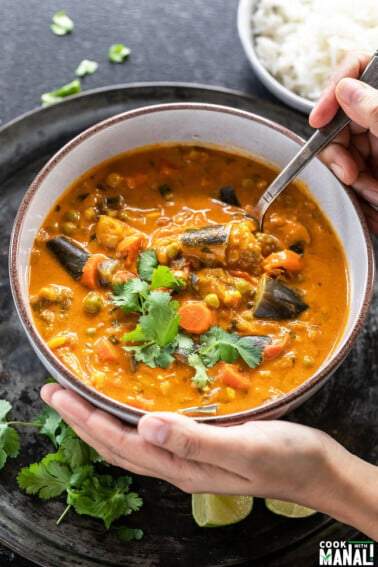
288,509
214,510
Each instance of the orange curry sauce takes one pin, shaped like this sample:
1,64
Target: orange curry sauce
148,199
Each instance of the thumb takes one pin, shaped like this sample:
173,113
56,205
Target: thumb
360,102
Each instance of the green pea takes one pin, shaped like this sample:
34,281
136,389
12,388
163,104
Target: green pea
308,361
72,216
92,302
68,228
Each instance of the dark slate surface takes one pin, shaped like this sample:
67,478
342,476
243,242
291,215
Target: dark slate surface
171,40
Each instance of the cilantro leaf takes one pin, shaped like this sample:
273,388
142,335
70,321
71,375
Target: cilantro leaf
146,263
152,354
136,335
5,408
249,351
52,425
217,344
9,437
118,52
74,87
185,344
200,377
131,295
61,24
162,320
104,497
86,67
48,478
163,277
9,443
129,534
76,452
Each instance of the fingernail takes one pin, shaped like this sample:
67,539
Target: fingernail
337,170
349,91
154,430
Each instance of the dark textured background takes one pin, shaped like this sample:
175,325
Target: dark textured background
171,40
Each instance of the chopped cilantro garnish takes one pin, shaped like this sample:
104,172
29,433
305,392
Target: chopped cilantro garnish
163,277
162,320
74,87
131,295
146,263
61,24
200,377
86,67
118,52
217,344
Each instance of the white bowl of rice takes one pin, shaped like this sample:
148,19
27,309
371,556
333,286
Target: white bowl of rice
294,45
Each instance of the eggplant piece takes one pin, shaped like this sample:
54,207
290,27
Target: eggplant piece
71,256
208,243
227,195
274,300
213,235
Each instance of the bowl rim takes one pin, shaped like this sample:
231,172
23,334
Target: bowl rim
126,412
245,31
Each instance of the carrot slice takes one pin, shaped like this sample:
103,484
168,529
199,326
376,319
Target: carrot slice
285,260
230,376
89,277
105,350
196,317
129,247
276,347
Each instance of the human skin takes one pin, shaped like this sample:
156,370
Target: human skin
275,459
353,154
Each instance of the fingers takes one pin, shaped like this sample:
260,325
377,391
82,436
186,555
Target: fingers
121,445
352,65
360,102
340,160
371,215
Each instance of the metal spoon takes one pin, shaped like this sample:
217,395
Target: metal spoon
317,142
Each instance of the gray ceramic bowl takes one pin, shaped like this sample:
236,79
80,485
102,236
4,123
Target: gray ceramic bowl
244,17
199,123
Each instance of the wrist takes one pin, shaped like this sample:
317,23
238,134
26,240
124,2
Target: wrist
345,487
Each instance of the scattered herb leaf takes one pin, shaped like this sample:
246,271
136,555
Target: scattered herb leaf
118,52
61,24
9,437
70,470
86,67
74,87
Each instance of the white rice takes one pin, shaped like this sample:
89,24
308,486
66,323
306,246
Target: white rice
300,42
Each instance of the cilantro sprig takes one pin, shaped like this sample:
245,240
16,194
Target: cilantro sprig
217,344
71,471
157,335
158,324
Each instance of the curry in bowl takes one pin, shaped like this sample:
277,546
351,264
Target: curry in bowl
150,282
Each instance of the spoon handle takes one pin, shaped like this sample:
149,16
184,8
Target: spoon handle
317,142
